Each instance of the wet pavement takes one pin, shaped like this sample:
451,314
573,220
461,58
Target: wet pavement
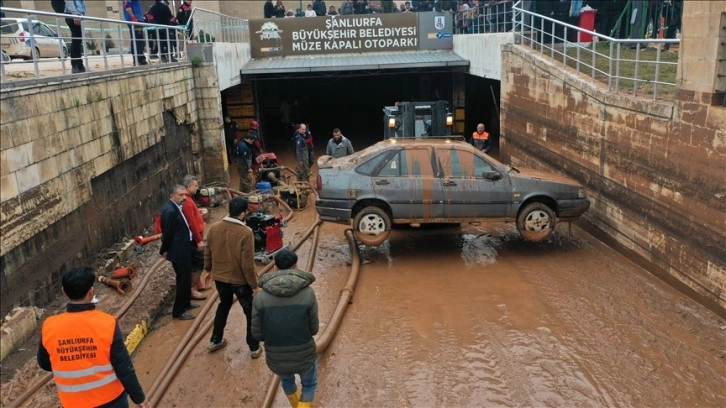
475,316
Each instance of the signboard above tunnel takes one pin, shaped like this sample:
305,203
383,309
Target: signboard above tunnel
279,37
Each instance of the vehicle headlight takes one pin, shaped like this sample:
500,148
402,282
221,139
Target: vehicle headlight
581,193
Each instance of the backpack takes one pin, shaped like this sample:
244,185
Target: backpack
59,6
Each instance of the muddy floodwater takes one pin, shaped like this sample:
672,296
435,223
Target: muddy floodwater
476,317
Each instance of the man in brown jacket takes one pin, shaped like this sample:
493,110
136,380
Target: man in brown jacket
230,257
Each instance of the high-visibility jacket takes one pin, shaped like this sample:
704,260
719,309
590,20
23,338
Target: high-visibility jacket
480,136
79,345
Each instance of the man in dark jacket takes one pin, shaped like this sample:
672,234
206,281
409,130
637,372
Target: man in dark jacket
176,247
285,317
246,155
162,15
269,9
319,7
183,14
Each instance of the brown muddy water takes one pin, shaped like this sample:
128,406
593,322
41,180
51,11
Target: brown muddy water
476,317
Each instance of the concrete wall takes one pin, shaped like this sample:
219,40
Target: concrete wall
85,162
483,52
655,172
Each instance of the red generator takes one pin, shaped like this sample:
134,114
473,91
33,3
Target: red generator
267,233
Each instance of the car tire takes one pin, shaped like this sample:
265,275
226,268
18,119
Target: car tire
64,54
35,54
536,222
372,226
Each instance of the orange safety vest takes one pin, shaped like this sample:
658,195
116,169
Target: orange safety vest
79,345
482,136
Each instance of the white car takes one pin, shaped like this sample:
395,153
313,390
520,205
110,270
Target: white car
16,41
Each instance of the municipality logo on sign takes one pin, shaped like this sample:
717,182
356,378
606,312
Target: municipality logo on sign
269,31
439,22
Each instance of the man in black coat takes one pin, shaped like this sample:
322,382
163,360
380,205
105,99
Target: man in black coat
176,247
162,15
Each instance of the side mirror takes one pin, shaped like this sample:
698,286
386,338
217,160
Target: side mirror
492,175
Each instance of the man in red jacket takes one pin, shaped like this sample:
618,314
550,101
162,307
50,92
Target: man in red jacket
196,225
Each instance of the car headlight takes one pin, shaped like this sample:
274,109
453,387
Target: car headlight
581,193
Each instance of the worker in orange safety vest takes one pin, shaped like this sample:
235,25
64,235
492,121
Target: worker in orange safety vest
85,351
480,138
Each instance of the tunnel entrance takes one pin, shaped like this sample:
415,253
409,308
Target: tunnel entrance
353,101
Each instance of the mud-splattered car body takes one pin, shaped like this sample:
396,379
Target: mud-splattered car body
421,181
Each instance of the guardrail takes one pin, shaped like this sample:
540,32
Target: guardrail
107,43
632,66
484,17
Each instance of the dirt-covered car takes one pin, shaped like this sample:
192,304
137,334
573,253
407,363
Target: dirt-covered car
422,181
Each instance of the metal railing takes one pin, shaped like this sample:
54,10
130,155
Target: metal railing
485,17
210,26
107,43
632,66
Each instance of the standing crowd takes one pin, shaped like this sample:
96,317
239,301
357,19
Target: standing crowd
280,307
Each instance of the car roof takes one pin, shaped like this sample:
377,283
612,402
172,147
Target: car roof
429,141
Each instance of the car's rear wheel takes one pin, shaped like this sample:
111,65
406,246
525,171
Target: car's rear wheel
36,53
64,54
536,222
372,226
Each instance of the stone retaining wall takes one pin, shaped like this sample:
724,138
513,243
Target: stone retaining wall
87,161
654,171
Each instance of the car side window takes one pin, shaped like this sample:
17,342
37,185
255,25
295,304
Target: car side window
370,166
8,26
411,162
461,163
46,31
37,28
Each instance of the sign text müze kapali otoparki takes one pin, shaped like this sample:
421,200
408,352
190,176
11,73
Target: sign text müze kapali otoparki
349,34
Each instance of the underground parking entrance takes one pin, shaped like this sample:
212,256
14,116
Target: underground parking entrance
352,97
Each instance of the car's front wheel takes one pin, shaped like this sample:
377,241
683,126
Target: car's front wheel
372,226
536,222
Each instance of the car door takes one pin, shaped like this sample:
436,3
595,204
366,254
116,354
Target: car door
47,44
473,187
51,44
408,184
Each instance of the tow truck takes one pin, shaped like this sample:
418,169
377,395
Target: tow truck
417,119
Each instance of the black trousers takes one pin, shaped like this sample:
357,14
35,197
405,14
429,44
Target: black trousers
137,44
227,291
76,43
183,298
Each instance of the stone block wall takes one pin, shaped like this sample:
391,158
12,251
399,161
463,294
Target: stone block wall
655,172
87,162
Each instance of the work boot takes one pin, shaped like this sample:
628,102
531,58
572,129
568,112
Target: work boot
256,353
294,398
212,347
304,404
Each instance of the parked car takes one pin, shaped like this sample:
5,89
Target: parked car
440,180
16,41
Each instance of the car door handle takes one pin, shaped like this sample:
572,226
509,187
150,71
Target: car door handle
449,183
382,182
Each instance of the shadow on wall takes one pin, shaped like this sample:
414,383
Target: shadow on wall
123,203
